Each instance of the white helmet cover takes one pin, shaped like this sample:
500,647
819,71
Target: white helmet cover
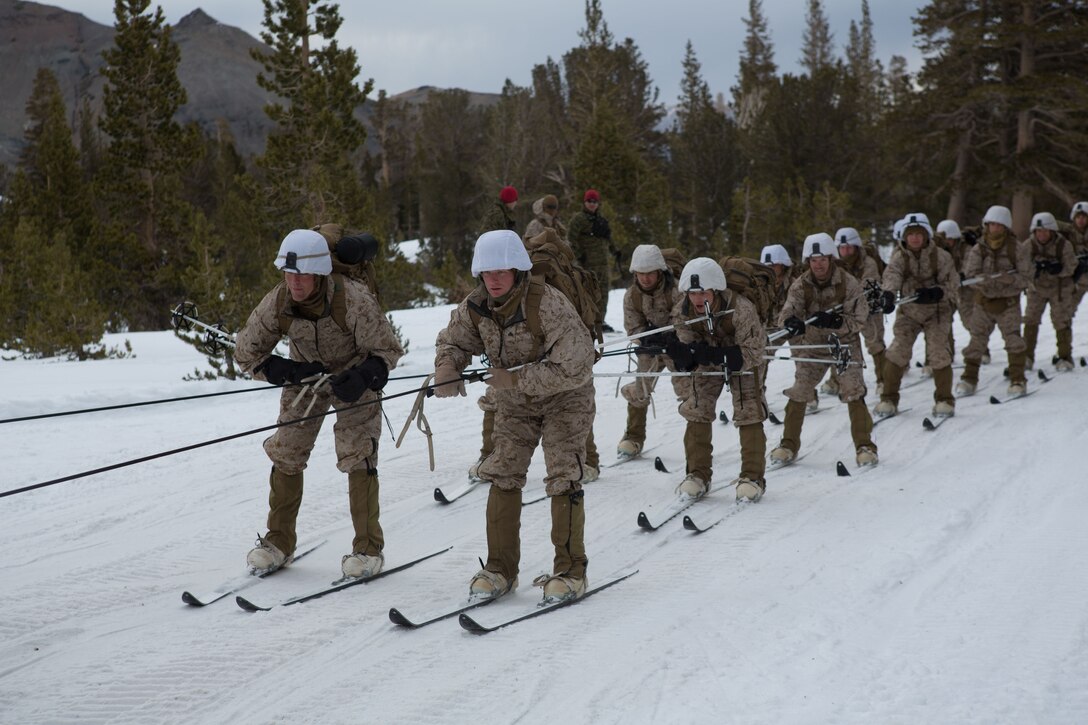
1044,220
1081,207
897,230
848,235
917,219
776,254
702,273
304,251
998,215
497,250
648,258
950,229
819,245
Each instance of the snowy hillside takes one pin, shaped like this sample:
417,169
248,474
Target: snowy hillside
947,585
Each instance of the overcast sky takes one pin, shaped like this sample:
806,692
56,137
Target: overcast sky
478,44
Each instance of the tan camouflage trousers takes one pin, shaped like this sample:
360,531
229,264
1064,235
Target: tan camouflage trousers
639,392
749,412
1004,313
966,309
937,329
356,434
808,375
1061,307
560,422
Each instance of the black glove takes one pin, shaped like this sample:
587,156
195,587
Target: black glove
350,385
707,354
658,339
827,319
682,356
970,237
600,228
1082,267
929,295
280,371
962,277
794,325
887,302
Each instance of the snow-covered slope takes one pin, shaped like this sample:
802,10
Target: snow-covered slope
947,585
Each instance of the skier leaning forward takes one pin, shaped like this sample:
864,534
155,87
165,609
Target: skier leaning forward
736,345
814,294
334,325
549,400
647,305
921,269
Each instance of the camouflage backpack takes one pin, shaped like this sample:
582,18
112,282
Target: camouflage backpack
553,261
674,260
752,279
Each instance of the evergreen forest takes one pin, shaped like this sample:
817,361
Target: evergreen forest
109,220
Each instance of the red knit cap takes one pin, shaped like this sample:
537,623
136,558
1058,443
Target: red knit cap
508,194
591,195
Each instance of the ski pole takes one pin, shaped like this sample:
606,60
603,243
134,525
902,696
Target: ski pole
183,317
666,328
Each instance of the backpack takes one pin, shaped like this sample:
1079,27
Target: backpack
752,279
874,254
674,260
360,271
553,262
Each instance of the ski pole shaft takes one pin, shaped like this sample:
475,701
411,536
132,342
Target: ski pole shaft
666,328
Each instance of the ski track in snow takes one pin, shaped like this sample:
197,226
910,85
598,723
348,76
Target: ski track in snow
946,585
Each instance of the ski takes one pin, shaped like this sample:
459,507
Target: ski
667,512
723,417
842,470
447,498
935,423
437,615
244,581
773,464
531,497
1044,378
475,627
620,460
877,420
994,400
338,585
715,516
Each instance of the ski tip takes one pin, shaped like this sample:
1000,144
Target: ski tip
660,465
689,524
928,424
723,417
841,469
644,521
1043,377
399,619
994,400
191,600
248,605
470,624
439,496
774,419
1083,363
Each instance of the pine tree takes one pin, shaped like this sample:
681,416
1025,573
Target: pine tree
817,51
703,157
312,158
140,234
449,147
46,291
757,67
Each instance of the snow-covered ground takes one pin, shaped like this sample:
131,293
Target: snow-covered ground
947,585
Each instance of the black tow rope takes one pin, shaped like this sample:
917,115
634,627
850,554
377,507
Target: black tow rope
203,444
121,406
